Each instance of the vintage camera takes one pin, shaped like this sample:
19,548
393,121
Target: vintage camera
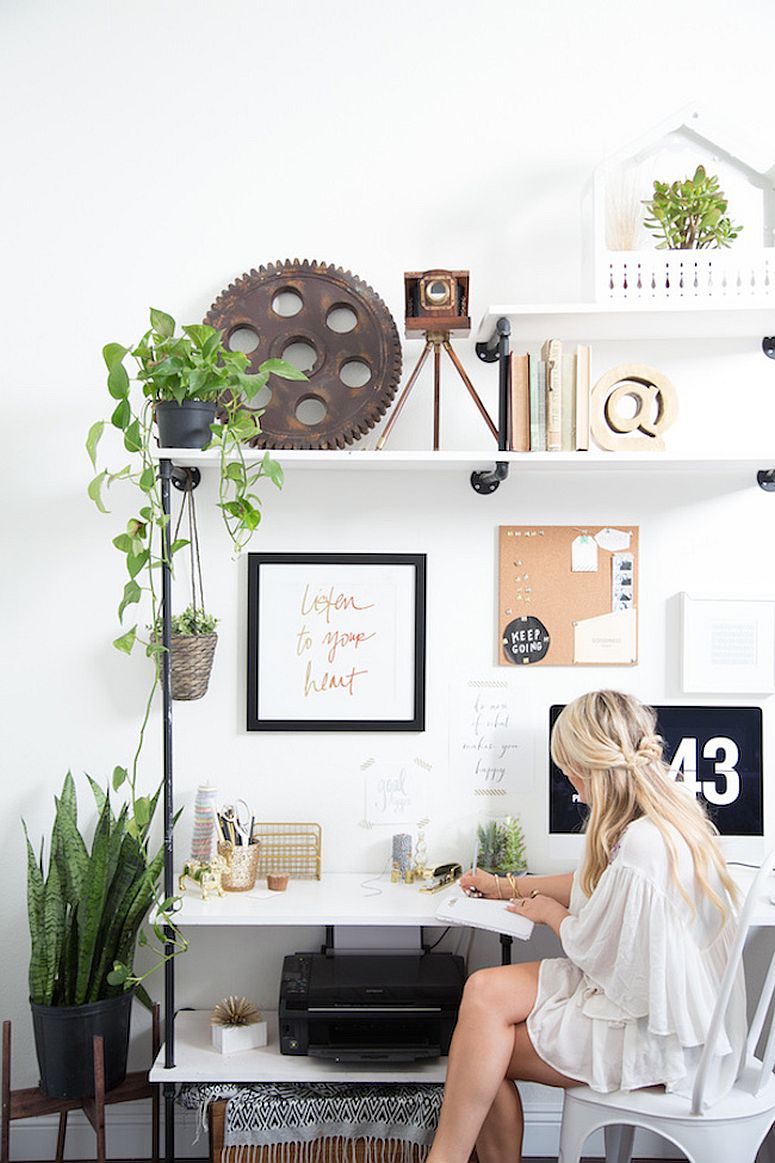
437,301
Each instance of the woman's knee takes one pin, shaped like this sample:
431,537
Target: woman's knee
505,990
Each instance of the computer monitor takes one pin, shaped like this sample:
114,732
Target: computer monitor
717,751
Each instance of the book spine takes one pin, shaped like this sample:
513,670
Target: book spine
582,397
520,403
534,417
552,354
541,393
569,403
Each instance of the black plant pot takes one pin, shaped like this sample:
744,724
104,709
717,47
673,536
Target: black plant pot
185,425
63,1042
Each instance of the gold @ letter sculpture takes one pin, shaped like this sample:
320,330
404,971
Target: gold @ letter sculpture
639,428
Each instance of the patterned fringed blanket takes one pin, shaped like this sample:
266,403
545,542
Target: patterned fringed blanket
323,1119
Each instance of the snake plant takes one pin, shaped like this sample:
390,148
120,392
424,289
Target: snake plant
87,906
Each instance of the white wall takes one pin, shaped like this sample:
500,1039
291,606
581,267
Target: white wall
154,151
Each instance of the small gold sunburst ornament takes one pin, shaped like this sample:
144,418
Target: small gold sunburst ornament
235,1011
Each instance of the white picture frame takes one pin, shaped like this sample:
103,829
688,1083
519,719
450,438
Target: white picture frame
727,645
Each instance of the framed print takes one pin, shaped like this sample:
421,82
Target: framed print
727,645
336,642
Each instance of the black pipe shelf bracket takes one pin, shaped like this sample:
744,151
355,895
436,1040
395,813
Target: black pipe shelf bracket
496,349
765,477
184,479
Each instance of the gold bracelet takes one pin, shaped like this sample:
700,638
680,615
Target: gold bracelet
535,893
515,893
498,886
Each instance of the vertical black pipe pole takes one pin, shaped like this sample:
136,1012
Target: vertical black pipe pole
165,473
504,383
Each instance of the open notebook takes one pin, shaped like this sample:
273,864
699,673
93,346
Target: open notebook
458,909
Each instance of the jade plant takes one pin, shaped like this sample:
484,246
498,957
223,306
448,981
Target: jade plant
690,214
87,904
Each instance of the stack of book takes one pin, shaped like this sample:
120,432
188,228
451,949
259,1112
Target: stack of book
550,400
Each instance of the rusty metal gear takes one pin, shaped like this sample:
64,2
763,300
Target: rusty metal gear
355,372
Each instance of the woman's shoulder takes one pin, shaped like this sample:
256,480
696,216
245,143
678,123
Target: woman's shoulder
642,848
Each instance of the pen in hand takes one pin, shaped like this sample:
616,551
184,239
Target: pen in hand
472,890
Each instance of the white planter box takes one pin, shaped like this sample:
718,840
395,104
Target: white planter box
235,1039
662,276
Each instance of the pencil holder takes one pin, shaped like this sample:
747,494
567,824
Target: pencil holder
242,865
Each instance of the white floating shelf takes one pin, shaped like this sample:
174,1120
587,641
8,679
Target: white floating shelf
521,462
197,1061
590,322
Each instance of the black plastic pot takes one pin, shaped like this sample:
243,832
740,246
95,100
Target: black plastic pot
63,1041
185,425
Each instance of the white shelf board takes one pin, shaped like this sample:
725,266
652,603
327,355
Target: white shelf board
521,462
338,898
590,322
197,1061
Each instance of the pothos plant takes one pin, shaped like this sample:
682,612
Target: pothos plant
195,365
690,214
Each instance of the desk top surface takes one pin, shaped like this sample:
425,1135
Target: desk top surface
338,898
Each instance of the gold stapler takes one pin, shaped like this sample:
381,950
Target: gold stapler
445,874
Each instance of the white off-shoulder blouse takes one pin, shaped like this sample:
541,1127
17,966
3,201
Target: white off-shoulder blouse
631,1003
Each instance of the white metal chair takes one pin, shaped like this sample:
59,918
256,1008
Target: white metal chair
732,1129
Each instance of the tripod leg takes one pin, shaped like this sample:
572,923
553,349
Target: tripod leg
402,398
436,394
462,373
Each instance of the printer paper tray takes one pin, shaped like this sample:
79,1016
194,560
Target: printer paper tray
374,1053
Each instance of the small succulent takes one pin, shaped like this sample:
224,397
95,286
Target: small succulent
235,1011
690,214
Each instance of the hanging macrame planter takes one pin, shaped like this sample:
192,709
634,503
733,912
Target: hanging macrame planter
192,653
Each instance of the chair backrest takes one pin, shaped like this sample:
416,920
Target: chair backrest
756,1024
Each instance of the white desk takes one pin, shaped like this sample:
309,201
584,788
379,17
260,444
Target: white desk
336,899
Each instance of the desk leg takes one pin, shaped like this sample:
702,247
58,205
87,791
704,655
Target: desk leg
506,943
61,1136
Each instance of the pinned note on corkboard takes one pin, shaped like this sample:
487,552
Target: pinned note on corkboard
568,595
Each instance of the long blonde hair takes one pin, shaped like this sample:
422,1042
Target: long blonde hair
609,740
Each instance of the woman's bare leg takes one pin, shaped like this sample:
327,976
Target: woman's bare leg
491,1045
501,1134
494,1002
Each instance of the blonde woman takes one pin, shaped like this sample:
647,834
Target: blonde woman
645,925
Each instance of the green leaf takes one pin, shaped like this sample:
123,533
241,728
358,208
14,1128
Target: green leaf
120,776
147,479
90,906
132,439
118,974
135,562
95,491
181,543
200,333
122,414
113,353
118,382
281,367
93,439
273,470
123,542
132,593
162,323
142,810
126,642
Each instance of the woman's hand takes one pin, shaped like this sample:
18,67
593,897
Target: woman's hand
540,909
484,884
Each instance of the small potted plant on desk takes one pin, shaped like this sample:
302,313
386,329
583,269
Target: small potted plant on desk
502,846
86,906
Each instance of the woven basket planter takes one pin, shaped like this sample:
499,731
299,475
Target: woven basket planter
192,661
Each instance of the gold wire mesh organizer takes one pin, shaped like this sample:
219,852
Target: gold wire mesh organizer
293,848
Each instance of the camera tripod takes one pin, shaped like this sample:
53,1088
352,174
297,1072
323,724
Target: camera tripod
435,340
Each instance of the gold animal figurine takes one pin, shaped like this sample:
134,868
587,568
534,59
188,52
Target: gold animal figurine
206,873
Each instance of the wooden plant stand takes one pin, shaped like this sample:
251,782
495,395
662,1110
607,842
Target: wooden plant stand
29,1103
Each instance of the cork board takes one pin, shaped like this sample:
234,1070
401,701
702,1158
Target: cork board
568,595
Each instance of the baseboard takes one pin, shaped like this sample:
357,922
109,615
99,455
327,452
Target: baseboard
128,1135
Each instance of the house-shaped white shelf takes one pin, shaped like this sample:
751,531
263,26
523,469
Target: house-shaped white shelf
627,264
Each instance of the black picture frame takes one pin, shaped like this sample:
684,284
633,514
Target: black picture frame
290,626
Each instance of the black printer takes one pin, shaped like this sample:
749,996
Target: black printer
369,1007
